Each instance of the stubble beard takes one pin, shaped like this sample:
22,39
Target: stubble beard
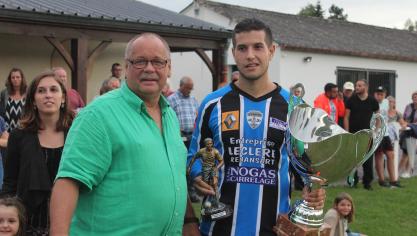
253,78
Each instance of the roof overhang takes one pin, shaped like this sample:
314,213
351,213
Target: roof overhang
347,53
116,30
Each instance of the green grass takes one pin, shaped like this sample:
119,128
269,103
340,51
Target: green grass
382,211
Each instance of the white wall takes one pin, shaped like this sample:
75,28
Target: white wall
209,16
190,64
102,66
34,55
214,18
321,70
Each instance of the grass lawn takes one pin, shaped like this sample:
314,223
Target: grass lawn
381,212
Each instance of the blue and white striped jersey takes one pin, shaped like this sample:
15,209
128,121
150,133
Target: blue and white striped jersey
249,133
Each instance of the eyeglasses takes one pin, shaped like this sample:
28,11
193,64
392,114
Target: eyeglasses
142,63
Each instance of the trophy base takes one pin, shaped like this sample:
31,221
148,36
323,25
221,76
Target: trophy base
305,215
285,227
216,213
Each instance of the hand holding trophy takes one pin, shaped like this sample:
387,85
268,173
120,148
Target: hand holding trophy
322,152
212,208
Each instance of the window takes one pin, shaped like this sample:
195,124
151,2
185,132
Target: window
374,78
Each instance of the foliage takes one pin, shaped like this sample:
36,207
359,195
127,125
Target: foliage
410,25
337,13
317,10
312,10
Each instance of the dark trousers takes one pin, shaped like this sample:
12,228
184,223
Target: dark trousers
368,172
186,137
187,143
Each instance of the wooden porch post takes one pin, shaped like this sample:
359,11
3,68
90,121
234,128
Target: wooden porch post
79,53
219,62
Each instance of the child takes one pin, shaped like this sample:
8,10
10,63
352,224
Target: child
338,217
12,217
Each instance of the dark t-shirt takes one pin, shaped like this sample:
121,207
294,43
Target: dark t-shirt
361,112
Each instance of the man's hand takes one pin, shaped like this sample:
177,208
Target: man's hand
315,198
203,187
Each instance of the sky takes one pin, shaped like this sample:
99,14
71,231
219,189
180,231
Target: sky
385,13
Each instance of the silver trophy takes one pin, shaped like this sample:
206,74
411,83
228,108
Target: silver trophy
322,152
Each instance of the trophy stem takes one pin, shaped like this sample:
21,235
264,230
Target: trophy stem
305,215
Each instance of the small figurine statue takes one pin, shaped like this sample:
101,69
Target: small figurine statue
212,207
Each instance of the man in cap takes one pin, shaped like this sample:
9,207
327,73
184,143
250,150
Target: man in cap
348,88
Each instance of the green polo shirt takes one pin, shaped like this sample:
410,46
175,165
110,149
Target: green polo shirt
132,176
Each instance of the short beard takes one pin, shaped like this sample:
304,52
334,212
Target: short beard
252,78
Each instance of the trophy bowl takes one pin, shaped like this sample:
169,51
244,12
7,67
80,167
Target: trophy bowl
322,152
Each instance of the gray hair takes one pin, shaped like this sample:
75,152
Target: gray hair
184,80
129,46
54,69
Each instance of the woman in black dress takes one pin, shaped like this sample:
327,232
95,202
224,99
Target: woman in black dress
35,148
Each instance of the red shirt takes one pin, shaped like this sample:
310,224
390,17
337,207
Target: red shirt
323,102
75,100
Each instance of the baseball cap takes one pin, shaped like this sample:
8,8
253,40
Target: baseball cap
380,89
349,85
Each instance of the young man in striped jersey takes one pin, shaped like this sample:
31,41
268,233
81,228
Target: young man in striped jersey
247,121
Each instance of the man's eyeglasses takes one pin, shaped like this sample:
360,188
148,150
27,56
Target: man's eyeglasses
142,63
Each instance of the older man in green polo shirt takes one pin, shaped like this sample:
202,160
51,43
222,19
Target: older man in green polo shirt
123,166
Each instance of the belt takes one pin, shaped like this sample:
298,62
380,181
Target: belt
183,133
186,136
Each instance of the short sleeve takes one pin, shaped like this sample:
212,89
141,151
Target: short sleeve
348,104
87,152
195,103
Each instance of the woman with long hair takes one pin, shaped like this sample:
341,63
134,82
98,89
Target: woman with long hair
12,98
35,148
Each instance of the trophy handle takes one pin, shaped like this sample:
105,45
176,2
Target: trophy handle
378,131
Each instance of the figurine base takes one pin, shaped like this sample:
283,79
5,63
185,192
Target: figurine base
216,213
285,227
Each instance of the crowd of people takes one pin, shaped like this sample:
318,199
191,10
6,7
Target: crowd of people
352,109
118,166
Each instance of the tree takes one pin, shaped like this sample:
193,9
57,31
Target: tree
312,10
410,25
337,13
318,11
